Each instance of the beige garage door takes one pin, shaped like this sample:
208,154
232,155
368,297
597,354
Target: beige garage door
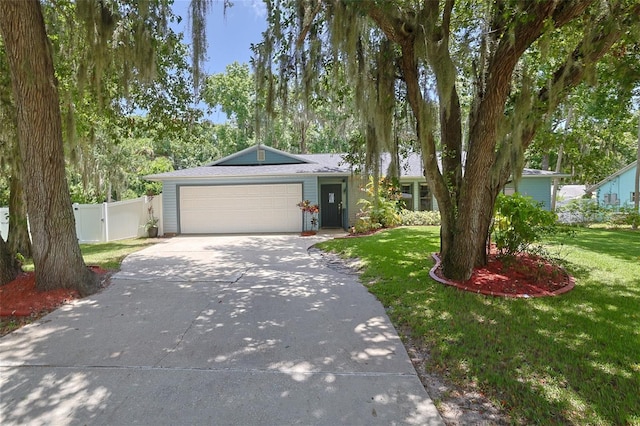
240,208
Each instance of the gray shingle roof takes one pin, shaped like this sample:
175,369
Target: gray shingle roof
317,164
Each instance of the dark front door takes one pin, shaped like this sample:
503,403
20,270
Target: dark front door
331,206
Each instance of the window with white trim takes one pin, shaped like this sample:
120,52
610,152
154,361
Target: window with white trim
425,197
407,195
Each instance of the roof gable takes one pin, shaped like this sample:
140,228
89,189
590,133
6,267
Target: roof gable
611,177
258,155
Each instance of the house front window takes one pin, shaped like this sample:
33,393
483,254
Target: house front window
407,195
425,197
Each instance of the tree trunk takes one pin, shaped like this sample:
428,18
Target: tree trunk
636,203
467,245
18,239
545,162
8,266
56,253
556,181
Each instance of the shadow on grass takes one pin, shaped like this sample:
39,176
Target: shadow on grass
618,243
568,359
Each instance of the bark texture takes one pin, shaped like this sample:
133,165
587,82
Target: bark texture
18,239
56,253
8,266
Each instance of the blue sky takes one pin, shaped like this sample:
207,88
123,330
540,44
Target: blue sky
229,34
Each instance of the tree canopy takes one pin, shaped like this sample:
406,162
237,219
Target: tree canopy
480,79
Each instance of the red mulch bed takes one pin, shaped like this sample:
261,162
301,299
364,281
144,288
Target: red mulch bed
20,298
525,276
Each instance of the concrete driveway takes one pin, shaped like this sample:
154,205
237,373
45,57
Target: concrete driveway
242,330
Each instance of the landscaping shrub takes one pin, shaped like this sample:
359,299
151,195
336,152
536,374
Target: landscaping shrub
419,218
626,216
364,225
380,208
520,222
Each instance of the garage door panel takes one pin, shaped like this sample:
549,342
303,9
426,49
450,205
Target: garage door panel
240,208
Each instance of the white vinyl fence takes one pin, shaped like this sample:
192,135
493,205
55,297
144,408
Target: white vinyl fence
4,222
98,223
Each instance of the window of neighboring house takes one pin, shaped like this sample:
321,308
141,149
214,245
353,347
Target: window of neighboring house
611,199
407,195
425,197
633,197
261,154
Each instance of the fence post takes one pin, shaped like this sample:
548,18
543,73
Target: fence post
105,221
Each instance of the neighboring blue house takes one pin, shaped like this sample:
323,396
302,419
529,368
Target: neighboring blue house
618,189
257,189
536,184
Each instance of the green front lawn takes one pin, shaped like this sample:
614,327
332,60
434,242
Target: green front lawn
107,255
569,359
110,255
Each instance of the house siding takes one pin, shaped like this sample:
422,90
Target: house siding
171,194
622,186
355,194
538,188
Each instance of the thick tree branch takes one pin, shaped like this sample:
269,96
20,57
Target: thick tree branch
309,16
569,10
393,27
446,18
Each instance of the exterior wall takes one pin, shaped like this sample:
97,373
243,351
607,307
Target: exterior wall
622,186
538,188
355,194
171,192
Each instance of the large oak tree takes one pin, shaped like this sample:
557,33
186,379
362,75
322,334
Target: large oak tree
101,49
480,78
56,253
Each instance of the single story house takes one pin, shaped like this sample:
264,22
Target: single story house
567,193
258,189
618,189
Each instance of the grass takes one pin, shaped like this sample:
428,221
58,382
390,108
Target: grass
106,255
572,359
